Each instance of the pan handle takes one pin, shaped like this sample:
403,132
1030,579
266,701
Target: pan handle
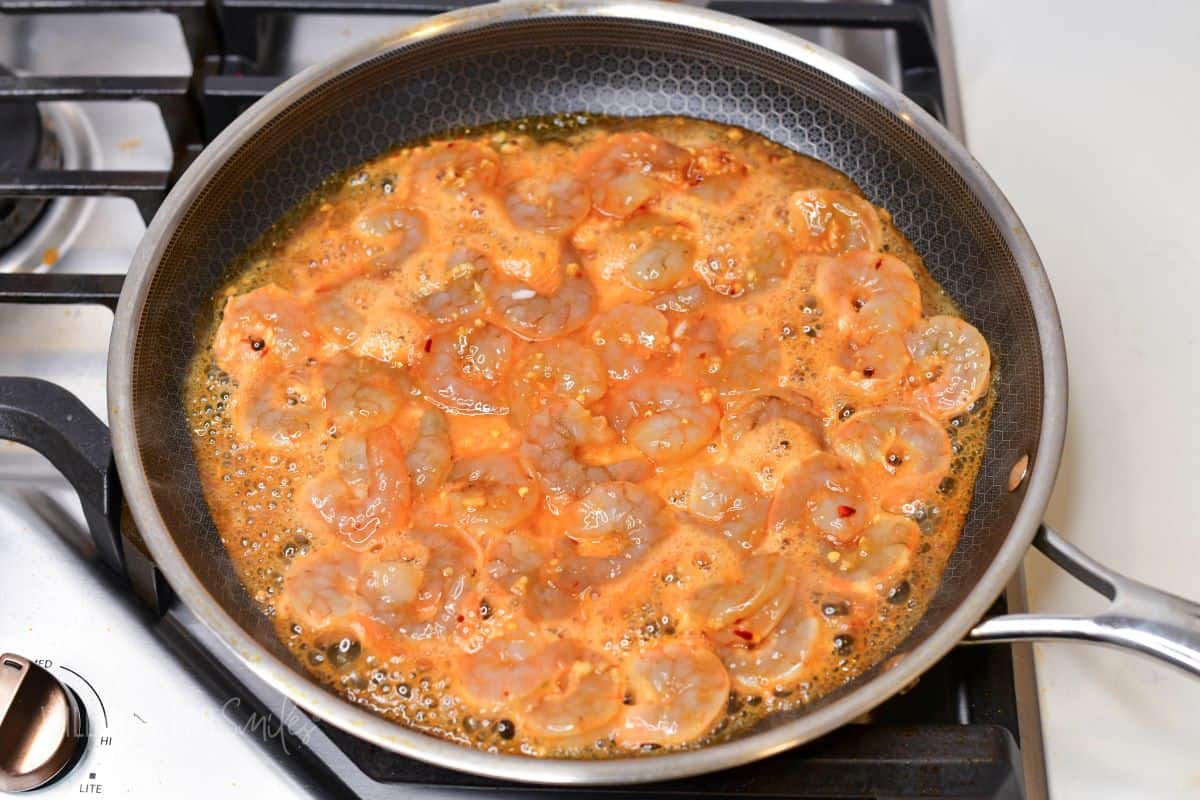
1139,617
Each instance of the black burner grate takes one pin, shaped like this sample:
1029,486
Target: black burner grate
954,734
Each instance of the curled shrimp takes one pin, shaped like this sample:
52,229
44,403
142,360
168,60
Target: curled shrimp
571,450
428,460
360,393
509,669
368,496
628,170
871,369
951,362
390,232
461,296
562,368
491,492
263,330
629,338
715,174
457,169
745,359
720,499
534,316
542,205
784,658
744,610
831,222
650,252
667,419
734,267
464,369
822,495
278,410
321,588
613,527
866,293
767,435
386,328
422,583
578,706
902,453
881,554
519,563
679,692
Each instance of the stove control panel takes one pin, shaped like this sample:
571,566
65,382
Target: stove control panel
43,726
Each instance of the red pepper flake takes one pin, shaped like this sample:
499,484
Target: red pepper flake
461,618
878,263
846,511
868,372
428,345
747,635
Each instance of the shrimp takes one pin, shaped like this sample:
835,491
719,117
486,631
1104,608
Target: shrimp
651,253
457,169
882,553
866,293
509,669
715,174
744,360
571,450
491,492
421,583
390,232
278,410
743,611
951,362
781,660
534,316
320,588
629,338
902,453
387,329
612,527
544,205
461,297
562,368
263,330
871,369
428,460
579,705
679,692
368,496
523,565
464,369
831,222
736,266
721,499
360,393
683,300
627,171
667,419
768,435
822,495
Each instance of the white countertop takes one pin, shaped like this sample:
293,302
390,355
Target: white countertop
1088,116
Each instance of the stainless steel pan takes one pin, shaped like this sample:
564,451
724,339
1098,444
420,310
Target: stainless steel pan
516,59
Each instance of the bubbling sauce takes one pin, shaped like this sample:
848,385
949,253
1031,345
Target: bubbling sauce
583,437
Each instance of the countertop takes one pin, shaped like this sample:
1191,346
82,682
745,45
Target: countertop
1087,114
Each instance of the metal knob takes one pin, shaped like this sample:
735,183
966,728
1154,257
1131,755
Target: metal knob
42,726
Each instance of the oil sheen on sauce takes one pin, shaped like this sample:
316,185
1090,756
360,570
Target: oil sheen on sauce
584,437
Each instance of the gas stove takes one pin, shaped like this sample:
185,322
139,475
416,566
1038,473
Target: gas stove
102,104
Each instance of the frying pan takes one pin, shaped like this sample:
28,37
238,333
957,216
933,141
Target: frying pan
510,60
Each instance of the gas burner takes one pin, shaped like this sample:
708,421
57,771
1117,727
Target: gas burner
35,232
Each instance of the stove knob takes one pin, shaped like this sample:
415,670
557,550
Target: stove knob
42,726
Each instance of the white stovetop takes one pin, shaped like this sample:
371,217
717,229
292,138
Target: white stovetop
1088,115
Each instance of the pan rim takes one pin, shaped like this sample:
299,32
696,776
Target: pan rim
405,741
